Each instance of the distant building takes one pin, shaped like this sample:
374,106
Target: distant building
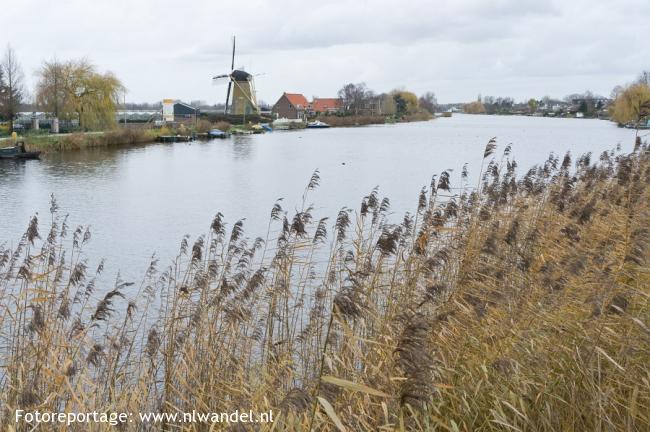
291,106
185,113
168,110
326,105
177,111
137,116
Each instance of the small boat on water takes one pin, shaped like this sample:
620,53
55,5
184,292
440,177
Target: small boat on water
317,125
217,133
243,132
18,152
286,124
174,138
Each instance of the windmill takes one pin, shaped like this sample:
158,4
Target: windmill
242,85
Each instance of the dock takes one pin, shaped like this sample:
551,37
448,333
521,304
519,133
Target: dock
174,138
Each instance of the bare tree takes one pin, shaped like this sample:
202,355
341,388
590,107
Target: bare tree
13,87
355,96
429,102
51,92
2,92
616,92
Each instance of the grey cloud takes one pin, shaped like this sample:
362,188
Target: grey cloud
456,48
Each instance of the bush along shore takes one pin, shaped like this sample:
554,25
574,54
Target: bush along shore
518,303
87,140
364,120
50,143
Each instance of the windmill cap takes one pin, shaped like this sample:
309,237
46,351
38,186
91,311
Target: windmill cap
240,75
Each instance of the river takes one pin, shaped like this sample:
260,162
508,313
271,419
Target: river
142,200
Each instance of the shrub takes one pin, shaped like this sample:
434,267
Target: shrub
223,126
203,126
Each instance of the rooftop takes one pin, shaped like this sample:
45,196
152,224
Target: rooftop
297,99
325,104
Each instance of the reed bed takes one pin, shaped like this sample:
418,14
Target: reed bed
519,303
352,120
88,140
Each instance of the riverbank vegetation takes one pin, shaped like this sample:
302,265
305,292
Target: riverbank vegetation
50,143
352,120
12,86
74,89
475,107
362,106
70,91
521,302
398,105
628,105
632,103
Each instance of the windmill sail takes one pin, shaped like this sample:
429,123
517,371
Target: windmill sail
232,67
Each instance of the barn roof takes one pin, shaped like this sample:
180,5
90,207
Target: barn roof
183,108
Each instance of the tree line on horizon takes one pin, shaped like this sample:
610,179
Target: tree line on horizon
630,103
357,98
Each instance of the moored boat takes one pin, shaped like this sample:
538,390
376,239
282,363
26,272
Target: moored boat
174,138
317,125
287,124
18,152
216,133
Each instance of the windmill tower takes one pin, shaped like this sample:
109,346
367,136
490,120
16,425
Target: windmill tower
244,100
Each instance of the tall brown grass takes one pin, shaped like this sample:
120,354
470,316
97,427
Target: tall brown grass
352,120
519,304
88,140
418,116
223,126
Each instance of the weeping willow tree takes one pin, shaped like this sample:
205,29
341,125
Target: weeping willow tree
631,105
74,89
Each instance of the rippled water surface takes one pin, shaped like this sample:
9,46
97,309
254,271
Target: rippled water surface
143,200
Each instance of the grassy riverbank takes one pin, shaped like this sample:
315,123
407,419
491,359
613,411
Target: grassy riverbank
364,120
352,120
519,303
49,143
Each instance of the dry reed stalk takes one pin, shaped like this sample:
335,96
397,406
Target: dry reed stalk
522,304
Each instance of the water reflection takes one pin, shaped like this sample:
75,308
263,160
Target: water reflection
13,168
243,146
142,200
82,164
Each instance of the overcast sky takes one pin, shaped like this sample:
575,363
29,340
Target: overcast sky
455,48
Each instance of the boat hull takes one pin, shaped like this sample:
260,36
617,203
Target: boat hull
216,133
317,125
18,153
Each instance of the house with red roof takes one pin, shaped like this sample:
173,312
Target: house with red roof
326,105
291,106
